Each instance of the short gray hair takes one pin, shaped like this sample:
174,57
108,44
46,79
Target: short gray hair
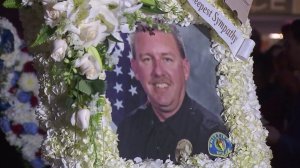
173,30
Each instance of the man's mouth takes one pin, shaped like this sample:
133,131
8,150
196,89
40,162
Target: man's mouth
161,85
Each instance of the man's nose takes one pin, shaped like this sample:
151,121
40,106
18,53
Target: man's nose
157,68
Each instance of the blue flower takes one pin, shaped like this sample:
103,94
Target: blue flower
30,128
24,97
4,106
6,41
4,124
15,78
37,163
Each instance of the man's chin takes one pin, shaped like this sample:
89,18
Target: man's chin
164,106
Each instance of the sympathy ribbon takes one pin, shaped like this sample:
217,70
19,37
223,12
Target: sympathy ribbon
239,46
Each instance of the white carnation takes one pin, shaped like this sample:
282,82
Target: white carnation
28,82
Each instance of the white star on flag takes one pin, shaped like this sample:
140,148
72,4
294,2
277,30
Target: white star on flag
129,55
132,90
131,74
118,70
119,104
118,87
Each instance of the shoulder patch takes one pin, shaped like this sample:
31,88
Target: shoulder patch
219,145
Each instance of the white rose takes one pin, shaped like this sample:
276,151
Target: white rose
52,16
91,34
28,82
89,66
59,51
82,118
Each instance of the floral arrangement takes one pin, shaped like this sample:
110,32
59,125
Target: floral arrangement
73,107
18,100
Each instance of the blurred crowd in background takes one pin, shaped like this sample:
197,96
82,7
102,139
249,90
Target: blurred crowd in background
277,77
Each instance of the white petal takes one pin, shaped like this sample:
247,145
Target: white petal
61,6
133,9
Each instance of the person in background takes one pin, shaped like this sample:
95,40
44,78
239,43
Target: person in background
285,141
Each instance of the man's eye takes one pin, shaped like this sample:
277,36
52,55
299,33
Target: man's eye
168,59
147,59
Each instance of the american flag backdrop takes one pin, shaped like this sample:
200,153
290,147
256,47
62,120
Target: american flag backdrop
123,90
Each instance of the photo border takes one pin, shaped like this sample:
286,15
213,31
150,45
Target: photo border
98,141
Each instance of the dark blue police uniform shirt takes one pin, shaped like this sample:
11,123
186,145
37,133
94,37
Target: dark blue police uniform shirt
143,135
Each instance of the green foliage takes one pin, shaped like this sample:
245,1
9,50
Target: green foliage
84,87
112,6
12,3
78,3
82,14
45,33
90,87
131,19
149,2
94,52
151,7
152,10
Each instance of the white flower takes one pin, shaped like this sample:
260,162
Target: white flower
91,34
52,16
133,8
65,7
82,118
9,59
28,82
102,9
59,51
112,44
130,3
89,66
27,2
31,145
47,2
25,58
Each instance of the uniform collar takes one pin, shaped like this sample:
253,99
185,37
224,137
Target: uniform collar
175,122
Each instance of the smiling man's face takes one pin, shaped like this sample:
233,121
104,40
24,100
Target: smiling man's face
162,71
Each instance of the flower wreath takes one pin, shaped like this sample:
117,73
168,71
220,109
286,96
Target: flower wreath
18,100
74,109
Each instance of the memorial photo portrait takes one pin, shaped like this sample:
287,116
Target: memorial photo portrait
179,112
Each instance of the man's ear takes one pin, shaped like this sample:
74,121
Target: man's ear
133,63
186,68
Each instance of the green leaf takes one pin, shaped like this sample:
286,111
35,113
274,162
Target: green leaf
45,33
97,85
84,87
94,52
112,38
12,3
75,93
69,102
149,2
152,10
